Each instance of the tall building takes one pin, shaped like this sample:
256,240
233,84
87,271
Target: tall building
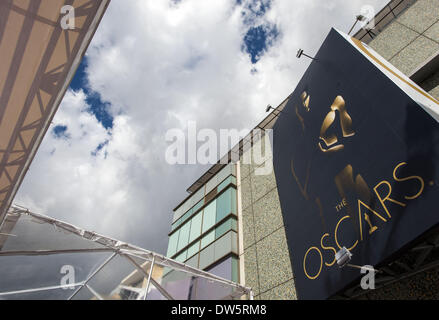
205,229
239,231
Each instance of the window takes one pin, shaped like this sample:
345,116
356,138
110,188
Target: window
181,257
198,205
207,257
183,239
187,215
209,216
230,224
195,226
207,239
227,269
172,244
193,249
223,246
235,268
225,183
193,262
220,176
226,204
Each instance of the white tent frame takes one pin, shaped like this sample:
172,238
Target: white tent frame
121,249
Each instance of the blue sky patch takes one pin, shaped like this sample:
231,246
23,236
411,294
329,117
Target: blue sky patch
60,132
258,39
98,108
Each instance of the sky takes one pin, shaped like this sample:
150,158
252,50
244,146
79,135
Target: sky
153,66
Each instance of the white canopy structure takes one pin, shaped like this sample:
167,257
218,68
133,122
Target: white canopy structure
44,258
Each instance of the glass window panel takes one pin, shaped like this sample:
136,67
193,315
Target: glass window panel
175,225
196,226
183,239
193,262
225,183
172,244
178,213
193,249
220,176
223,269
226,171
209,216
198,195
234,242
235,225
207,239
211,184
186,206
207,257
198,205
223,228
233,195
181,257
223,245
235,270
224,205
186,215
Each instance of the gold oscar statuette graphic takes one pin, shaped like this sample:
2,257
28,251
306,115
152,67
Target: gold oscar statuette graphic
305,97
305,100
372,229
345,123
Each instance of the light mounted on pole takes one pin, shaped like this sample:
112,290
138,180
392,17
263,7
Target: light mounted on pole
301,53
361,18
344,256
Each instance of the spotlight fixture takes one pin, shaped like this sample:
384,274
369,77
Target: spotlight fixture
300,53
361,18
269,107
344,256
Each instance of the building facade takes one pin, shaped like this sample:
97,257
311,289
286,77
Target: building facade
205,227
406,33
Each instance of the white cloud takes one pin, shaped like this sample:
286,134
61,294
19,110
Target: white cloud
161,64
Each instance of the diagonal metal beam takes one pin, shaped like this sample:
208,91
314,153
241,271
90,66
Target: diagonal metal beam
93,274
18,56
50,252
149,278
426,252
93,291
155,283
39,289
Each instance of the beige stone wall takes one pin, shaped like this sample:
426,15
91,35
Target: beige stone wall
266,258
412,38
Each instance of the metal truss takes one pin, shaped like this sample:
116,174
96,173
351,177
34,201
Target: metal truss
60,57
131,253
